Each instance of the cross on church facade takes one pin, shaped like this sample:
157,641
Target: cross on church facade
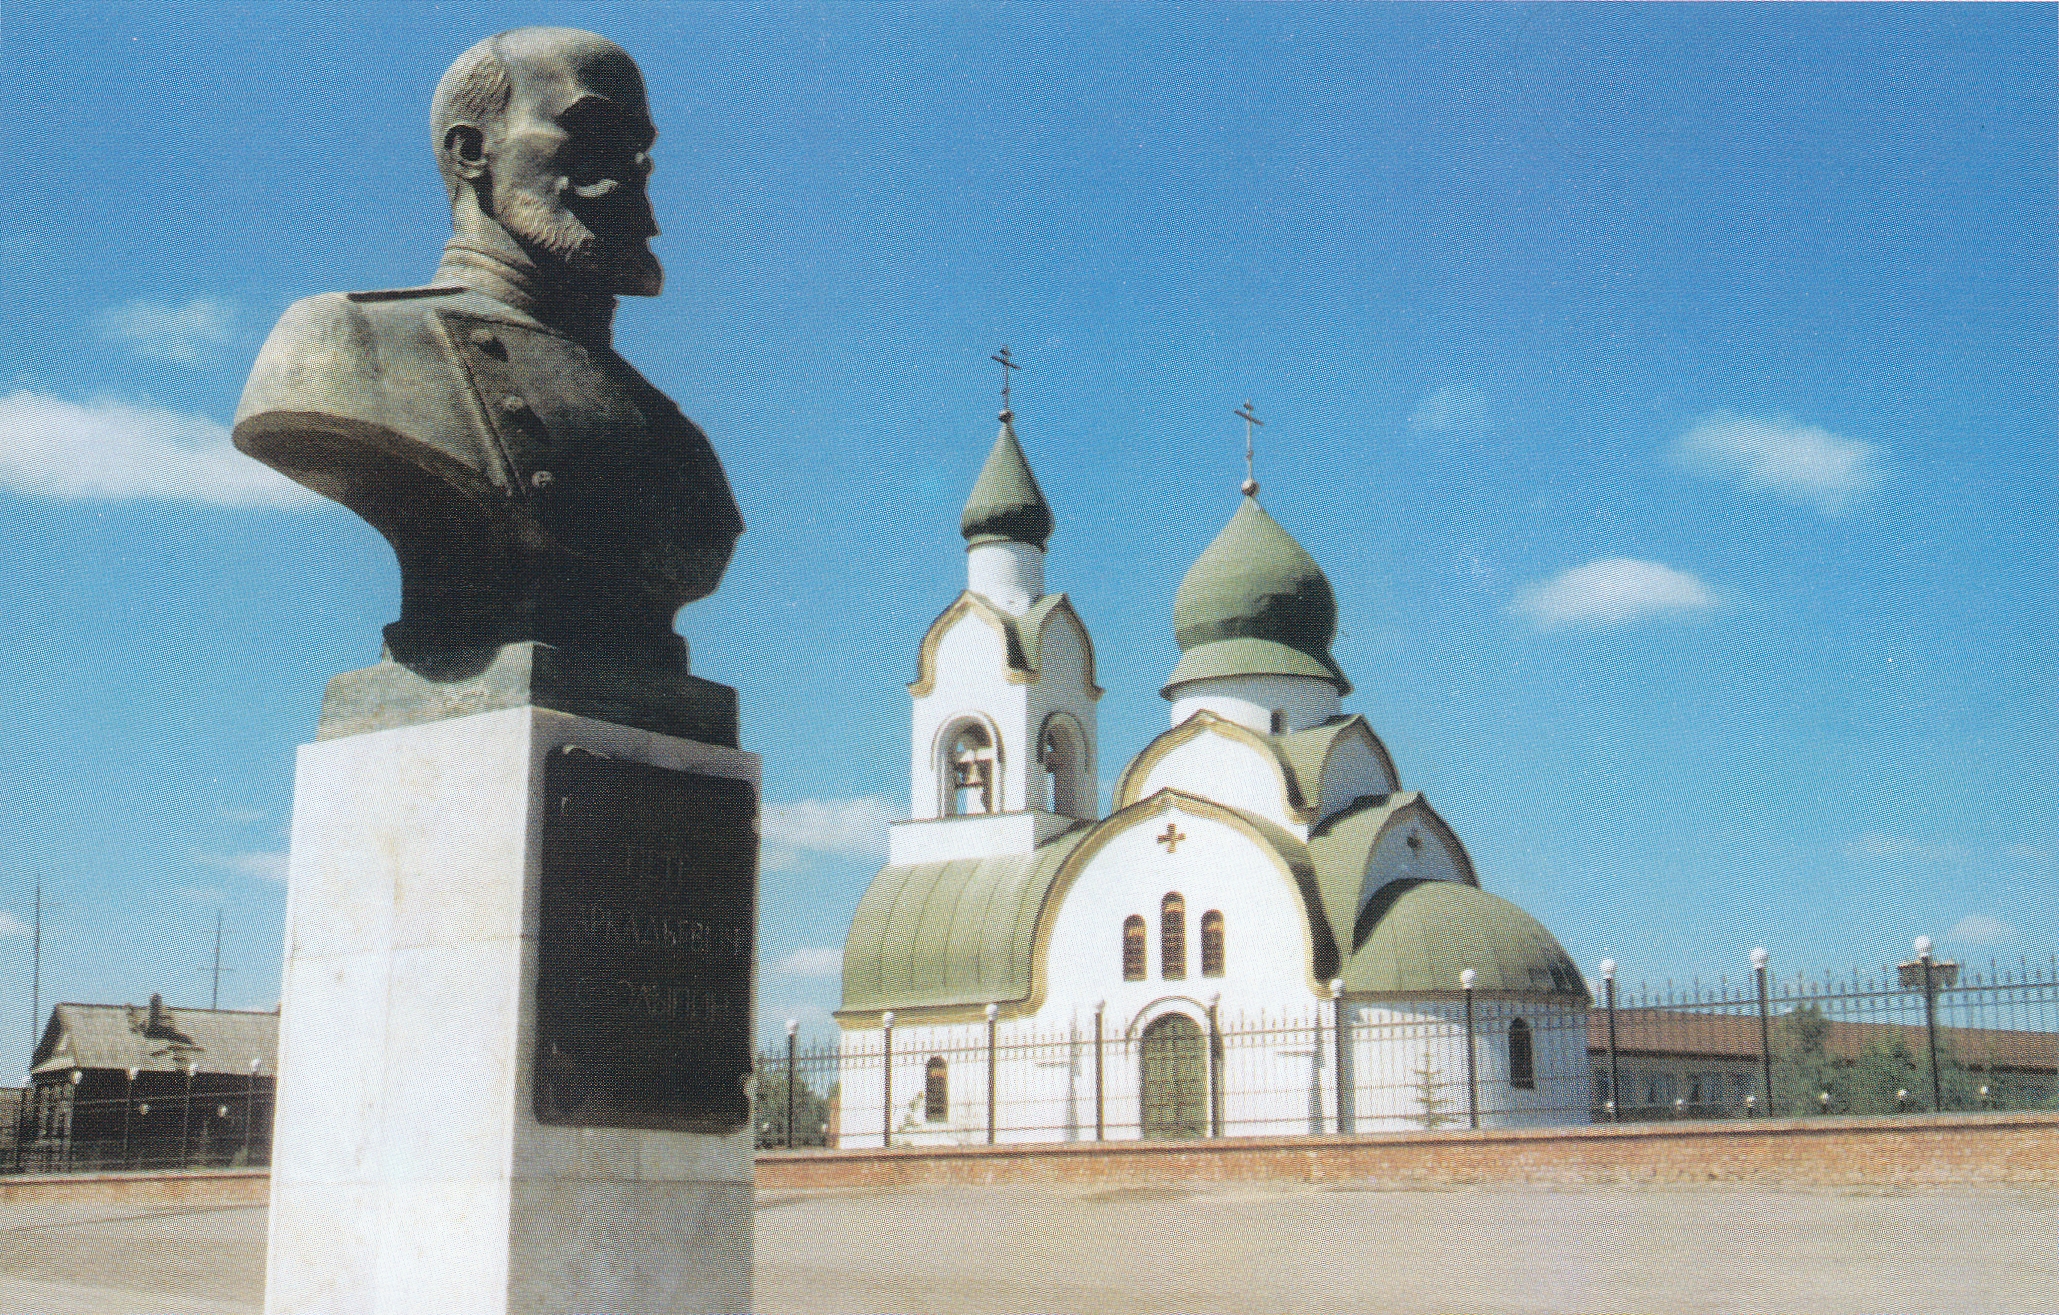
1007,363
1172,837
1250,418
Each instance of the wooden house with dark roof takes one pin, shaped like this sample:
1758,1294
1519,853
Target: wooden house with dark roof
127,1086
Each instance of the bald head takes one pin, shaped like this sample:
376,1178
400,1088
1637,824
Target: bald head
545,132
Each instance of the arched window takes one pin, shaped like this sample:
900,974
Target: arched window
936,1091
969,760
1061,751
1212,943
1279,721
1522,1057
1172,937
1133,948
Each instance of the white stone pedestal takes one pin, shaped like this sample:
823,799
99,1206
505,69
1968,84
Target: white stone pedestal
410,1174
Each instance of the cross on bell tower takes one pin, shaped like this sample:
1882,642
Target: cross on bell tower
1250,418
1007,363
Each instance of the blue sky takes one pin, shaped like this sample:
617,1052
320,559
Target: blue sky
1669,393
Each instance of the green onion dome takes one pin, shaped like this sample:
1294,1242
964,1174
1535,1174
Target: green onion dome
1255,604
1006,505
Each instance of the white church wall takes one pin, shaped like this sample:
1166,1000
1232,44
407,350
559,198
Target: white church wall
1250,701
1224,771
1212,866
1406,1065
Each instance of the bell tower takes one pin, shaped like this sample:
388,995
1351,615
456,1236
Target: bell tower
1003,740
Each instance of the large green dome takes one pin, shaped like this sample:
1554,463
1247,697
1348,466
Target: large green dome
1429,932
1006,505
1255,604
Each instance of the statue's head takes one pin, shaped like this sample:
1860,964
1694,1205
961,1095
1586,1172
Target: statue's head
545,132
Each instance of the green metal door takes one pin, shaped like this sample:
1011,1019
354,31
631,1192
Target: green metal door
1175,1073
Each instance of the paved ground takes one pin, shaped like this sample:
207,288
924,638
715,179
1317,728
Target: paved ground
967,1250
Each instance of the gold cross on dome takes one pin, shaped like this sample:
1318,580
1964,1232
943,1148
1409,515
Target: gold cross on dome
1172,837
1007,363
1250,418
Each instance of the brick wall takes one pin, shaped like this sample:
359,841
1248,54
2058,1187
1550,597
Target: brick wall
226,1187
1913,1151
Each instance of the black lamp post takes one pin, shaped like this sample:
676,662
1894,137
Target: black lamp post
186,1119
128,1104
1344,1115
1466,980
1608,983
793,1030
1759,960
1928,975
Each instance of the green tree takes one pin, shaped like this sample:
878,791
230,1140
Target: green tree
1803,1069
1431,1114
811,1111
1885,1068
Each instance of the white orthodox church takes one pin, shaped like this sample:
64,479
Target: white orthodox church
1024,969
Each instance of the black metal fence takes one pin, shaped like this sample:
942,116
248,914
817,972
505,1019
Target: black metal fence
196,1124
1927,1035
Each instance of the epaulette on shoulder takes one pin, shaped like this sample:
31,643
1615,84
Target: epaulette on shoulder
408,294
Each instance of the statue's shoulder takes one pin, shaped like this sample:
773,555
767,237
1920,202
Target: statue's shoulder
340,350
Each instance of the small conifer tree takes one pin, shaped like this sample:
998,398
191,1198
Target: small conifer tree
1432,1113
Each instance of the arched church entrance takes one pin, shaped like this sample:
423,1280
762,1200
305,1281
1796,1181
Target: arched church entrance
1175,1078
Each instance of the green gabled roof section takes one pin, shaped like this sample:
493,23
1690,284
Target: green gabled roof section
1307,753
1006,505
956,933
1022,635
1344,848
1431,931
1255,604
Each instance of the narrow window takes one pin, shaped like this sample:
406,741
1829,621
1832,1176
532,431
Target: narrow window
1133,948
1279,721
1172,937
936,1091
1212,943
1522,1059
970,761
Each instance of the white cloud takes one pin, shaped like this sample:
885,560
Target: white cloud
1460,410
202,895
1613,591
270,866
2028,853
849,828
192,334
1979,929
1805,464
106,449
13,926
812,961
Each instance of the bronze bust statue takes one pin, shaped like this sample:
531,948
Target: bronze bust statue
536,489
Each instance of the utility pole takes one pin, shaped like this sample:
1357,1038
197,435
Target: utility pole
214,999
36,973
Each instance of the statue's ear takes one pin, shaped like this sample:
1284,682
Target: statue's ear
464,147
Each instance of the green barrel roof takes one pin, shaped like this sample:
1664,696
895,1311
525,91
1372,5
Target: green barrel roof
1255,604
1006,505
956,933
1432,931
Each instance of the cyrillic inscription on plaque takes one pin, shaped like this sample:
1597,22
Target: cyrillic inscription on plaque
643,978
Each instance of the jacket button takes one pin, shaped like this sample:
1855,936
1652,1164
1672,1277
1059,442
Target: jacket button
514,404
541,479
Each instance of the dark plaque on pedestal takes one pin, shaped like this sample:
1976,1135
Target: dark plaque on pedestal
643,977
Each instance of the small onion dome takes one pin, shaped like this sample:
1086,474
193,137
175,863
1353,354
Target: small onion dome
1255,604
1006,505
